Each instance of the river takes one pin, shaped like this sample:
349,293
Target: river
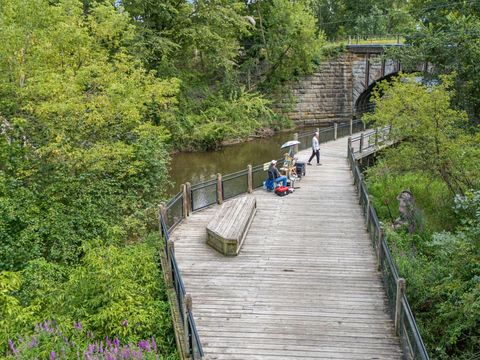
196,167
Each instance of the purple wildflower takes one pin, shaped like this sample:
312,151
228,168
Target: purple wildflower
109,357
90,349
52,355
100,349
108,343
126,352
78,326
125,323
33,342
116,342
154,344
144,345
11,345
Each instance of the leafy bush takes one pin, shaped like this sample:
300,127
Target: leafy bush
115,291
50,341
217,118
431,196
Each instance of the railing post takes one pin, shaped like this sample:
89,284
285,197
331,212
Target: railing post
295,148
183,189
219,189
188,189
187,307
349,147
170,250
364,125
162,212
351,126
361,142
367,215
379,250
335,130
249,179
398,303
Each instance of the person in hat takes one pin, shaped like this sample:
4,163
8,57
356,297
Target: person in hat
274,174
315,149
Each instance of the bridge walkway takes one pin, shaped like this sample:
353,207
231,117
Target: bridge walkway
305,284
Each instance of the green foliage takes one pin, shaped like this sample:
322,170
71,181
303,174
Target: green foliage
364,17
437,158
443,273
115,291
216,119
287,42
81,155
430,195
448,38
434,140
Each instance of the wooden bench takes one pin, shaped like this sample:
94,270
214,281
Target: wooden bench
227,230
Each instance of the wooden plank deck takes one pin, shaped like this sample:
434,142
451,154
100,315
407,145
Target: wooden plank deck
304,285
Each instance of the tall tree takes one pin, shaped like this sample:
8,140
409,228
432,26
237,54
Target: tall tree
82,145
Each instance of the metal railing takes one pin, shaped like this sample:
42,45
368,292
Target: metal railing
199,196
405,325
366,39
370,141
183,300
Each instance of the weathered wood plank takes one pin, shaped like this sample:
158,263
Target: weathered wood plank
305,284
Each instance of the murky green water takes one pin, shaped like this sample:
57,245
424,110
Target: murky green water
196,167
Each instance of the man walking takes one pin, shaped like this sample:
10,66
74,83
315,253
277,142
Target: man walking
315,149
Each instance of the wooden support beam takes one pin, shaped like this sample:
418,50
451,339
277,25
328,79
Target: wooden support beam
187,307
219,189
398,303
170,250
367,215
249,179
183,189
162,212
380,250
188,188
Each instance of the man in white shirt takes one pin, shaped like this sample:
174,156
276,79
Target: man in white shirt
315,149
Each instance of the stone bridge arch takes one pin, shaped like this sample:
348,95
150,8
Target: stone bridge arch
334,91
363,104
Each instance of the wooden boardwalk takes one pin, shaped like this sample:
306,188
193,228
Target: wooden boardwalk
304,285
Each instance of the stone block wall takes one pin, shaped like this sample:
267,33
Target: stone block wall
325,96
330,94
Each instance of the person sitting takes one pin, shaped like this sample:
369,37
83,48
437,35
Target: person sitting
274,174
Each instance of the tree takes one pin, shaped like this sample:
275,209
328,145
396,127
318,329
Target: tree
429,131
81,155
448,39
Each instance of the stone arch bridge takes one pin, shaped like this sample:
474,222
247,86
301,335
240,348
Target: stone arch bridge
340,89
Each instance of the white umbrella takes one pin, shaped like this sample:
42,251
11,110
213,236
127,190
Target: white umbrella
290,143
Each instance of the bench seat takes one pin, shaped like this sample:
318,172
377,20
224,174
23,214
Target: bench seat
229,227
